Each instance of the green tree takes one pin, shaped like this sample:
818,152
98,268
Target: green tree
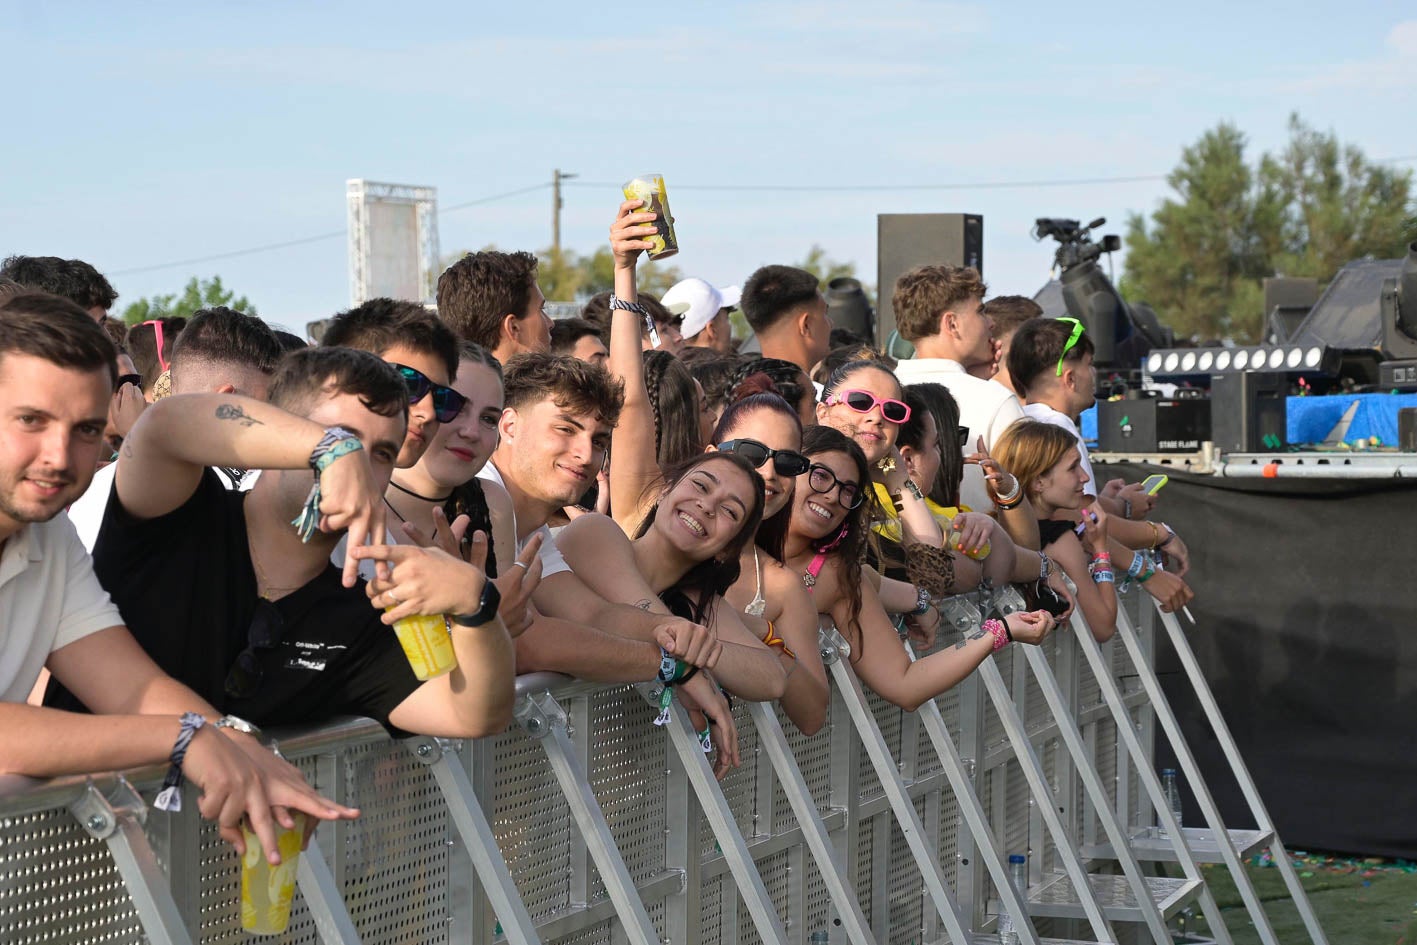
1203,256
819,264
197,294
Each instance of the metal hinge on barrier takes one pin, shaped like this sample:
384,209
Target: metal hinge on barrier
538,712
99,813
833,645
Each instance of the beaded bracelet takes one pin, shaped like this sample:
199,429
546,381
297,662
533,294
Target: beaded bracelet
1000,633
922,602
170,797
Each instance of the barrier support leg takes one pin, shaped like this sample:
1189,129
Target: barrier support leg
477,837
837,654
833,871
543,718
1145,889
117,819
1043,800
323,899
972,813
1231,751
690,753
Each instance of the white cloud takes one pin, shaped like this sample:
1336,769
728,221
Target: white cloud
1394,69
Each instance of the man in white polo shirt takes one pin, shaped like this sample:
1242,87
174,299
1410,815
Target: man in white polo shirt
57,373
938,309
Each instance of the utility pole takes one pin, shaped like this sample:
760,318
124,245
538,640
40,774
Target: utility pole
556,204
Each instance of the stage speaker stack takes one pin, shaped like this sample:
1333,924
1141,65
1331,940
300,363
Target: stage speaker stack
1248,412
907,240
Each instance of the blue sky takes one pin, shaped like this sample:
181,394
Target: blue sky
142,136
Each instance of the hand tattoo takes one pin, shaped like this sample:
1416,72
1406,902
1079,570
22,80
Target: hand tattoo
234,412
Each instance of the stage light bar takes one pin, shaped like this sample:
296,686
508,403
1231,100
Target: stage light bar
1275,359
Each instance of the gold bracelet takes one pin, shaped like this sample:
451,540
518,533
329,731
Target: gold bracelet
1155,535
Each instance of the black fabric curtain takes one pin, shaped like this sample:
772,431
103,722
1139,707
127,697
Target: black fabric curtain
1306,611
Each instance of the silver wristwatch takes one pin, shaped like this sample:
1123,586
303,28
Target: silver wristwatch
239,725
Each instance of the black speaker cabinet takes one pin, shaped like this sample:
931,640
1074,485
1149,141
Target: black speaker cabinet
1407,429
907,240
1248,412
1153,425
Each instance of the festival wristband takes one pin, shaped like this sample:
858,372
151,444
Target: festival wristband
668,666
1137,566
336,442
922,603
170,797
1104,576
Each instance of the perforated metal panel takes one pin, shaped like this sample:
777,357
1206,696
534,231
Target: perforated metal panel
627,774
396,853
59,885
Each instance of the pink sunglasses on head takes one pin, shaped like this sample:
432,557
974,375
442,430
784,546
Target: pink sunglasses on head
863,401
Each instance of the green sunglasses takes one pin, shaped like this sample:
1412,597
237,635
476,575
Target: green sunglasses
1072,340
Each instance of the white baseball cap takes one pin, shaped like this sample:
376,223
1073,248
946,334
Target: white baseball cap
697,301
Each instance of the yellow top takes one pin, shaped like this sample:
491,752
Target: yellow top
889,527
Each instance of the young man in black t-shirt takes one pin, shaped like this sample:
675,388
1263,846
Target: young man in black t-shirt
223,592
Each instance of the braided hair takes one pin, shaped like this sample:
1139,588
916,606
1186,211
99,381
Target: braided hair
674,403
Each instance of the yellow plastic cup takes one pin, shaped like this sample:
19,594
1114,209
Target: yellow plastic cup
267,891
427,644
952,538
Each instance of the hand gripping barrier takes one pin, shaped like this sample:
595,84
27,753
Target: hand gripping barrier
584,823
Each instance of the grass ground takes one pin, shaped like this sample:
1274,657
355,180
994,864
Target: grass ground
1357,902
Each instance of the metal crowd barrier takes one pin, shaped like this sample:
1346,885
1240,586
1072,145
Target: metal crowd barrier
584,823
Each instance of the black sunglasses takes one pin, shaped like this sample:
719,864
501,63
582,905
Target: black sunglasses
265,631
963,434
823,480
785,462
447,403
135,379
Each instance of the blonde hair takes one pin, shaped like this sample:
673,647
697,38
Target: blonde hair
1029,448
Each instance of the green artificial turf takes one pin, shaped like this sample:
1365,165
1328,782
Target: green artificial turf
1358,902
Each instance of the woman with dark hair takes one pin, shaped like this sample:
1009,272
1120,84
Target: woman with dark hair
664,422
864,401
825,543
685,553
761,427
792,383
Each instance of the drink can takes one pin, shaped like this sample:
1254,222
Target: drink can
427,644
650,189
267,891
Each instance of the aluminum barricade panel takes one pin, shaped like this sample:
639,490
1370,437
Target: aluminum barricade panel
906,895
533,824
813,756
740,786
58,885
627,774
396,854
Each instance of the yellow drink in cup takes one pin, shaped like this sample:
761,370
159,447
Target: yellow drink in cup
427,644
650,189
267,891
952,537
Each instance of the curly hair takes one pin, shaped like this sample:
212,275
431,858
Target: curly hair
478,291
856,528
925,293
707,580
572,385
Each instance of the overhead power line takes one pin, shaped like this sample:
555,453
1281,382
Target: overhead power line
801,188
320,237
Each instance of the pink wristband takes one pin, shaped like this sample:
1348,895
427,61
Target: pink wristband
1000,633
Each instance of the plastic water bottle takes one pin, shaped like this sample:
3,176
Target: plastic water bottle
1171,785
1018,875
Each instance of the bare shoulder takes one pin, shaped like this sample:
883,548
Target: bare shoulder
593,537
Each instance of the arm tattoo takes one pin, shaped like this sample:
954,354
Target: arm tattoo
234,412
970,637
643,604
